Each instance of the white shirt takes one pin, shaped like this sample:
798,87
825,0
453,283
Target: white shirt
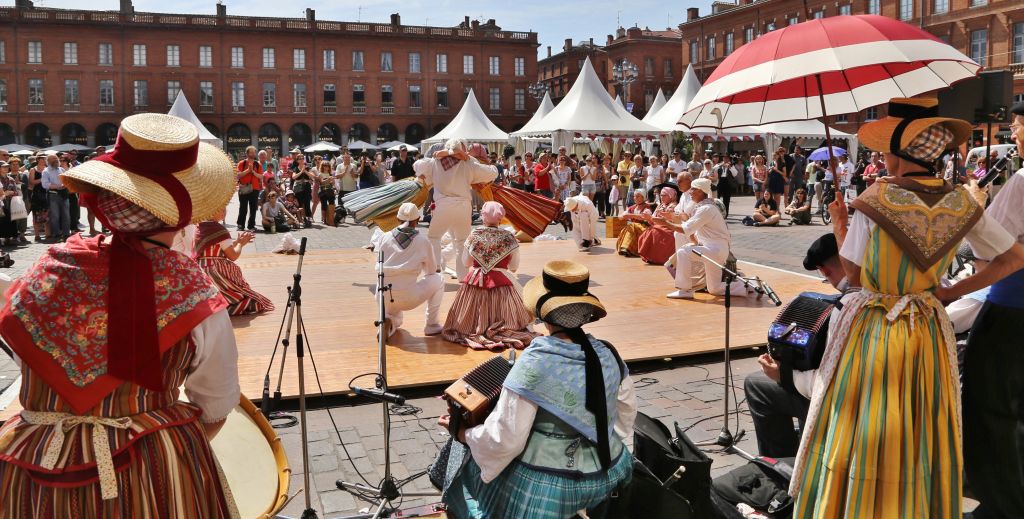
455,183
677,166
845,172
685,205
408,262
585,172
1006,206
584,219
708,224
503,435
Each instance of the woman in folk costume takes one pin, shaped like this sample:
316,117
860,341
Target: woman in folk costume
657,244
217,252
488,311
636,217
883,430
553,444
102,433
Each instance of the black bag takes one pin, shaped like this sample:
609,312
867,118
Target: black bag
654,446
643,497
760,485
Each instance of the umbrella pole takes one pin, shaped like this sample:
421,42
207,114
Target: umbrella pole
840,198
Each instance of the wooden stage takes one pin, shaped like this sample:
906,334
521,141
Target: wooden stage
338,308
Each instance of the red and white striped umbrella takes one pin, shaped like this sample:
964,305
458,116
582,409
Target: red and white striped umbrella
828,66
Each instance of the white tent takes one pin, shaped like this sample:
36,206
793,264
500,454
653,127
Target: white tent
668,117
523,145
659,103
472,125
772,134
588,110
181,109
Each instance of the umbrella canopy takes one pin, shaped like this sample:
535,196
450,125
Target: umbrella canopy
823,152
828,66
321,147
23,153
13,148
361,146
398,147
67,146
389,144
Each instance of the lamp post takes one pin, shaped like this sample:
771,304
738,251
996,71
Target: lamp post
537,90
624,73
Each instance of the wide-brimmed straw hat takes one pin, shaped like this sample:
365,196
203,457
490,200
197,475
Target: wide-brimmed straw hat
909,117
148,147
560,295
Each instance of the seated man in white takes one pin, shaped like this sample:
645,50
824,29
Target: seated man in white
584,221
708,225
407,253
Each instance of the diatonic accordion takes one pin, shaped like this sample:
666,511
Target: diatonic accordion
472,397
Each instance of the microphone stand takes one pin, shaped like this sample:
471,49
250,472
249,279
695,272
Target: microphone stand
725,437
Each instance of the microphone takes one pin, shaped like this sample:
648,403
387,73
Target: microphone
377,394
771,294
302,247
265,401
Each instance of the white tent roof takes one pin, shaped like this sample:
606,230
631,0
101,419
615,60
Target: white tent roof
545,106
181,109
773,133
668,117
471,124
588,108
659,103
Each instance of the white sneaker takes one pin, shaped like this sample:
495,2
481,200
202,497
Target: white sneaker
681,294
432,329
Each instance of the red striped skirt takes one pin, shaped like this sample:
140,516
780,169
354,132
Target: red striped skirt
488,319
242,299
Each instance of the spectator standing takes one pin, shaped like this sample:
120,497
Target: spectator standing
542,176
778,176
797,171
654,175
728,181
561,182
875,169
588,181
57,198
250,182
40,205
759,174
367,173
401,167
268,166
345,177
709,173
676,165
517,173
302,185
327,194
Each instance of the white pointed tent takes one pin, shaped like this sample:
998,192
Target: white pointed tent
668,117
181,109
472,125
773,134
658,104
522,144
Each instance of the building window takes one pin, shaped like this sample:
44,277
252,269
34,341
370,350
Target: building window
415,96
299,95
3,55
978,3
906,9
748,34
769,27
299,59
387,95
667,65
414,62
694,56
871,113
139,54
71,93
70,53
357,61
940,6
442,97
442,63
819,14
730,44
465,93
269,95
330,95
269,57
106,54
520,66
35,91
648,66
387,64
205,56
1017,53
979,46
140,92
793,20
711,48
237,94
845,10
358,95
107,92
206,93
3,96
842,118
520,99
494,65
237,57
467,64
35,52
173,55
495,98
328,59
874,6
173,87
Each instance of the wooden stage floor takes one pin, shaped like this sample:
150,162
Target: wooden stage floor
338,309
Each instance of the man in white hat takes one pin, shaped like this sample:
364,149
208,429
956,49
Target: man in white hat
407,253
453,171
584,221
713,239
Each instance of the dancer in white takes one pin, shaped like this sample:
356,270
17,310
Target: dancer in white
407,253
584,221
453,172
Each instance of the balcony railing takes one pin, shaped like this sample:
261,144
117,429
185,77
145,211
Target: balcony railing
415,109
1017,69
106,109
387,109
35,107
140,108
269,109
330,109
238,109
3,107
359,109
206,109
299,109
441,109
72,107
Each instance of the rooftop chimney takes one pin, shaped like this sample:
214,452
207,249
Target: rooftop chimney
475,24
568,44
549,51
310,15
692,13
609,40
24,4
591,42
465,22
126,7
634,32
222,10
395,19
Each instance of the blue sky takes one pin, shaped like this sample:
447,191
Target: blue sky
553,21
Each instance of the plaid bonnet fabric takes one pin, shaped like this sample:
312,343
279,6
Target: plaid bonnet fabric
929,144
124,216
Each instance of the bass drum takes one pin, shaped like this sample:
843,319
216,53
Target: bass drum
253,461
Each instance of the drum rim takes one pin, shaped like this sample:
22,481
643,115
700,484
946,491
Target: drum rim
280,457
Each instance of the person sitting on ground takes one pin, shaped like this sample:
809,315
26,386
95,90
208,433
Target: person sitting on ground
488,311
636,217
276,218
657,244
553,446
766,211
216,252
406,254
584,221
799,210
291,203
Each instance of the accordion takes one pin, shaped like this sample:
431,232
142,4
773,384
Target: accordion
472,397
798,336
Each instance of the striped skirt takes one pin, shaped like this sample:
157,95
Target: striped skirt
886,442
242,299
521,492
488,319
628,243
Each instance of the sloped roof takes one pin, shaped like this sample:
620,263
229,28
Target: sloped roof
545,106
659,102
668,117
471,124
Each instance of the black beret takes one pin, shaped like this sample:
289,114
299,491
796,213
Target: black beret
1017,109
820,251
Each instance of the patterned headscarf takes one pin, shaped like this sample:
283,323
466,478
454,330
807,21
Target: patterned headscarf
929,144
124,216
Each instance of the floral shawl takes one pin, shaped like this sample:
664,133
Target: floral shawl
489,245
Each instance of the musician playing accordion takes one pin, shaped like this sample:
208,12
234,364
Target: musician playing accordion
553,444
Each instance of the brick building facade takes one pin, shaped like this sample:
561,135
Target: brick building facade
989,31
71,75
558,72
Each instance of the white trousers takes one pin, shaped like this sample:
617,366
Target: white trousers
409,293
685,259
455,216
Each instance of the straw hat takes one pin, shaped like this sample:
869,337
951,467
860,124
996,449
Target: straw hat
144,143
559,295
408,212
910,116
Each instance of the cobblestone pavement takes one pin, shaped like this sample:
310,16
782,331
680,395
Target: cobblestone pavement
687,393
